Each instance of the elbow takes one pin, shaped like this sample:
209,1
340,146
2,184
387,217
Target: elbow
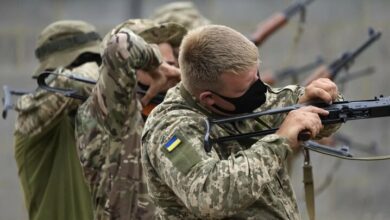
207,207
214,201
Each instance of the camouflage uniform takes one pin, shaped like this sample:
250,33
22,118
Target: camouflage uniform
45,150
244,179
183,13
109,123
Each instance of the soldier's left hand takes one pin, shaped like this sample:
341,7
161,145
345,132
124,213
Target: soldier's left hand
163,77
321,89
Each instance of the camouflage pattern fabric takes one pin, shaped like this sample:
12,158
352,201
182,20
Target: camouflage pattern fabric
37,110
151,31
109,126
236,180
183,13
45,151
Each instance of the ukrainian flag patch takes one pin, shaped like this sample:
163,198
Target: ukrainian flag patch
172,143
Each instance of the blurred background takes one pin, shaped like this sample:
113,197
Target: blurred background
357,190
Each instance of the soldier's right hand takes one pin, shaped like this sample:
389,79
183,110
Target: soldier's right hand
304,119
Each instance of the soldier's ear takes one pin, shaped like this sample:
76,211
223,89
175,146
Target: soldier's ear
206,98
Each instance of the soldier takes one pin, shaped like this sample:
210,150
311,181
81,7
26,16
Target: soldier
109,123
186,14
45,150
237,179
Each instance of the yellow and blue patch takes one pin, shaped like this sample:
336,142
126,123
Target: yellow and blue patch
172,143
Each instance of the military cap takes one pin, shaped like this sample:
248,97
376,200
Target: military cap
184,13
60,43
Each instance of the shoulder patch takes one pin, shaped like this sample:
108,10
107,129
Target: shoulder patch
172,143
181,153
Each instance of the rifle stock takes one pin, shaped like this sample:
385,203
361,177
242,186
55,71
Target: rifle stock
7,99
294,71
277,21
268,27
321,72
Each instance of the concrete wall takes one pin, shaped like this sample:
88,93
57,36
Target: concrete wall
359,190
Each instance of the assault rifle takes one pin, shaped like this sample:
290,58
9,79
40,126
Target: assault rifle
346,59
356,74
7,99
41,79
295,71
278,20
339,112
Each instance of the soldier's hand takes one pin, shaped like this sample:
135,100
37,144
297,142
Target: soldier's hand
303,119
321,89
163,77
118,45
321,72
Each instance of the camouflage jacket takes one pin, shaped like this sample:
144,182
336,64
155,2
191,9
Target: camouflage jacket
108,130
45,151
236,180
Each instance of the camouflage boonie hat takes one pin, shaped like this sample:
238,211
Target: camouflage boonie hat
184,13
151,32
60,43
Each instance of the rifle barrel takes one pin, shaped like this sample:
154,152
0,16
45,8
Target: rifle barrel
348,57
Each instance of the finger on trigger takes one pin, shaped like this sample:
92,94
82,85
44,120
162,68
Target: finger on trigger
317,110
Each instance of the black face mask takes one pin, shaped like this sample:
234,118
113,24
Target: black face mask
248,102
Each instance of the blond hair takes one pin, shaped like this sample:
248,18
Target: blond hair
209,51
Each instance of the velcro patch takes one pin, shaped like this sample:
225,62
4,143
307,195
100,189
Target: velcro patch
181,153
172,143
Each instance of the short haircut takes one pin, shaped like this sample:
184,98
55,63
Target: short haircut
211,50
